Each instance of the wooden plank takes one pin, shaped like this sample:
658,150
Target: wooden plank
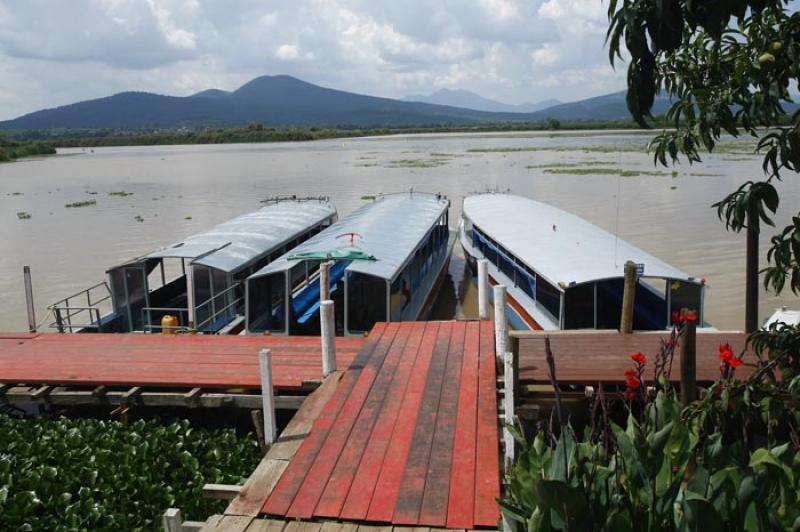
300,526
307,497
363,486
285,491
461,502
387,487
330,526
412,486
371,528
434,507
228,523
349,459
487,474
257,488
266,525
225,492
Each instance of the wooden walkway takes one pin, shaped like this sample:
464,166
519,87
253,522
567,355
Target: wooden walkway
589,357
156,360
409,437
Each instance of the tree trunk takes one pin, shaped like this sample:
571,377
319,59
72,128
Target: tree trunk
751,289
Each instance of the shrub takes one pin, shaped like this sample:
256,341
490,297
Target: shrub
71,474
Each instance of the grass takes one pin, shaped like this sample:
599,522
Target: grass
78,204
567,165
606,171
138,218
24,215
120,193
416,163
584,149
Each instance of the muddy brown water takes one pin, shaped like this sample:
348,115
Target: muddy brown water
180,190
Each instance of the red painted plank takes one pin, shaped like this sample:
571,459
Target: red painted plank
292,478
310,491
413,484
461,503
363,486
348,461
387,487
487,474
433,511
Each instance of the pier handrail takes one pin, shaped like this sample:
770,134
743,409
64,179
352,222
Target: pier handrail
147,318
64,310
214,312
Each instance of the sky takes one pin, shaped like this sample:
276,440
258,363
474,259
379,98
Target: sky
60,51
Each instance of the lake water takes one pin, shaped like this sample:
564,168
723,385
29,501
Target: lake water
180,190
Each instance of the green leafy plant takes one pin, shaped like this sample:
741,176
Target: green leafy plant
83,474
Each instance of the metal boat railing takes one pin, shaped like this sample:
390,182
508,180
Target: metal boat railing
66,310
213,307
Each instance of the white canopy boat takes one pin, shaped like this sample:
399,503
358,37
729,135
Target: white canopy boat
390,257
562,272
202,285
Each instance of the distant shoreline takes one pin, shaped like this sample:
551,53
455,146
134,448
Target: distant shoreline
258,133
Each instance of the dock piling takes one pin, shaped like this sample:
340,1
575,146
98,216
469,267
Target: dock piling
688,359
628,298
172,520
268,396
328,334
500,320
483,289
190,297
324,281
26,272
508,408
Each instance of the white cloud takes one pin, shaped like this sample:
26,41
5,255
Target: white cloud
54,52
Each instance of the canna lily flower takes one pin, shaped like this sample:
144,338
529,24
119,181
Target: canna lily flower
639,358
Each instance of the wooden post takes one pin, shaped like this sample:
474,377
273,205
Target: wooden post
258,424
508,407
190,297
325,281
500,321
628,299
688,354
268,397
172,520
483,289
751,275
513,346
328,334
26,272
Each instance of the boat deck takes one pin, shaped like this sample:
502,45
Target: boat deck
162,360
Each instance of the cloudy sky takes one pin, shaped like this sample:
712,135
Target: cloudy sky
56,52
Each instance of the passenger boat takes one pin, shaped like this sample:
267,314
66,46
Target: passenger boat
562,272
199,280
389,260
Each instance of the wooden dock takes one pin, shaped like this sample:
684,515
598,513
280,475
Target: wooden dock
164,361
590,357
409,437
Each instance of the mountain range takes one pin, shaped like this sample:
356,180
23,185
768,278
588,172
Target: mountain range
286,101
470,100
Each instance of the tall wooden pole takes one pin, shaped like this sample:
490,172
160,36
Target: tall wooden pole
628,299
500,321
688,355
751,283
324,281
26,272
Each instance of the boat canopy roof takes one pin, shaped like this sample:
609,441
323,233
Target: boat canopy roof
560,246
232,245
388,229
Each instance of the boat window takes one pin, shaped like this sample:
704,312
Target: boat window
650,304
506,264
526,280
366,301
399,298
609,303
202,292
266,299
685,295
579,307
548,296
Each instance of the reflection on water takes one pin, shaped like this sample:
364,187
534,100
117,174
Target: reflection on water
179,190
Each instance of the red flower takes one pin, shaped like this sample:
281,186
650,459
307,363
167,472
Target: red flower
676,317
630,395
727,358
632,382
639,358
689,315
679,318
735,362
631,373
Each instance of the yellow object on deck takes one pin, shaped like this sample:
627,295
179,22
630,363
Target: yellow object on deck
169,324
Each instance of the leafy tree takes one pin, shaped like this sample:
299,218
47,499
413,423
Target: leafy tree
728,66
